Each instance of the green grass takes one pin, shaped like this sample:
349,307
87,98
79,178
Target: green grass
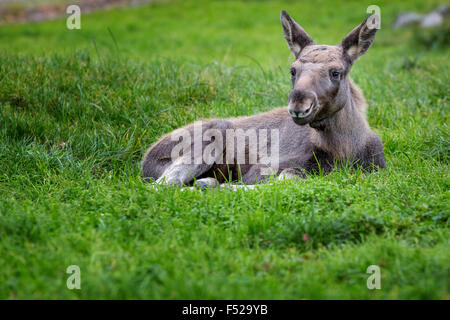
79,108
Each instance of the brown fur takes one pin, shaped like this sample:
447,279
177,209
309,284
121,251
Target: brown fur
323,125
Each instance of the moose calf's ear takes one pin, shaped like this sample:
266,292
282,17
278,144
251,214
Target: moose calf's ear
357,42
295,36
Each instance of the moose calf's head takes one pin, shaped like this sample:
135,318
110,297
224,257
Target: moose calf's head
320,72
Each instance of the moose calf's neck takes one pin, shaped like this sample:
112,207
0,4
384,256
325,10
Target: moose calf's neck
344,134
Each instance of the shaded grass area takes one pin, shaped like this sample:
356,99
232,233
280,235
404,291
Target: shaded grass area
74,126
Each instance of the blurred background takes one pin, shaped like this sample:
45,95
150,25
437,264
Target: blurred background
38,10
207,31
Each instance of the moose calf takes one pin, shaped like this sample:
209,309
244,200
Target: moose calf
323,125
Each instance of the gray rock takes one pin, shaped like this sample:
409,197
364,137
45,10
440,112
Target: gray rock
407,18
434,18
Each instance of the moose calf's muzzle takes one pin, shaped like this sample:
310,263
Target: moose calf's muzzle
302,105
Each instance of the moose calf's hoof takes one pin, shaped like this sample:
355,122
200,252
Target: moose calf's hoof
291,174
205,183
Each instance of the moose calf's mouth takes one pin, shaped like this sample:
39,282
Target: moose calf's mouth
302,117
300,114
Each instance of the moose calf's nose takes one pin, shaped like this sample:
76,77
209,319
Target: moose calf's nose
299,96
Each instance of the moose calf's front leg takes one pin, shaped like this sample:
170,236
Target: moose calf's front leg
180,174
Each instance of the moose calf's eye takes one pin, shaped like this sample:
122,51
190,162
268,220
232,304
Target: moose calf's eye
293,72
335,74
